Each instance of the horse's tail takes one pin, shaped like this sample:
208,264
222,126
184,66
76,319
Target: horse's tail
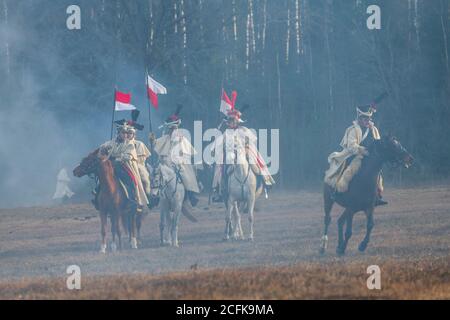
187,212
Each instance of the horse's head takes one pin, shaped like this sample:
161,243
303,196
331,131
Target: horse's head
393,151
88,165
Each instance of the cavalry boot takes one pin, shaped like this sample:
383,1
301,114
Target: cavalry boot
217,196
380,202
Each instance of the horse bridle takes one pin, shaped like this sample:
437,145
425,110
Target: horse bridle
163,186
394,163
241,183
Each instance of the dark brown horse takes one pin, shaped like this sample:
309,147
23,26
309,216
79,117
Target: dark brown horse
111,199
362,191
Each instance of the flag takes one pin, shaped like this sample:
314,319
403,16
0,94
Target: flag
227,104
123,101
153,89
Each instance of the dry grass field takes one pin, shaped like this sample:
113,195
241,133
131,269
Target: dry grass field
429,279
410,244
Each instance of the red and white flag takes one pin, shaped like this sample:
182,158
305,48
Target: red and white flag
153,89
227,104
123,101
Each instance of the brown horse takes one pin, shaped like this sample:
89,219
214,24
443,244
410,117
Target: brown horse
111,199
362,191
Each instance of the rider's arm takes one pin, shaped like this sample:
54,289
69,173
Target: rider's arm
352,144
128,154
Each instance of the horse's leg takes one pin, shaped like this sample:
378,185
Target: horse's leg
340,250
228,213
161,225
103,222
119,229
113,230
133,229
348,229
138,226
328,205
238,233
369,215
127,218
174,225
251,208
163,219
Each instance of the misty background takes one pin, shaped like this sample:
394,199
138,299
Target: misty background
302,66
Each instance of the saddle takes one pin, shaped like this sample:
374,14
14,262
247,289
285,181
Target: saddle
348,171
351,167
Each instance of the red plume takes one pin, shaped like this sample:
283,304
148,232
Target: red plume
233,98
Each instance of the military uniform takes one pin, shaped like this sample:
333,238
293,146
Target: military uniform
346,163
237,145
175,149
125,161
142,153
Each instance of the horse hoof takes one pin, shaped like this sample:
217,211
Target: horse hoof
250,239
113,247
324,244
165,243
134,243
103,249
362,247
340,251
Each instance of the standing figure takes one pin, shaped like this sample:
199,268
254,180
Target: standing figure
62,186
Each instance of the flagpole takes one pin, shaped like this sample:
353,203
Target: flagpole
152,160
150,129
113,112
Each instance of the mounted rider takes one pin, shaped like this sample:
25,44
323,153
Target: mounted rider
142,151
237,144
175,149
122,152
346,163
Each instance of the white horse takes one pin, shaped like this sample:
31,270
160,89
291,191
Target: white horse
172,204
242,194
